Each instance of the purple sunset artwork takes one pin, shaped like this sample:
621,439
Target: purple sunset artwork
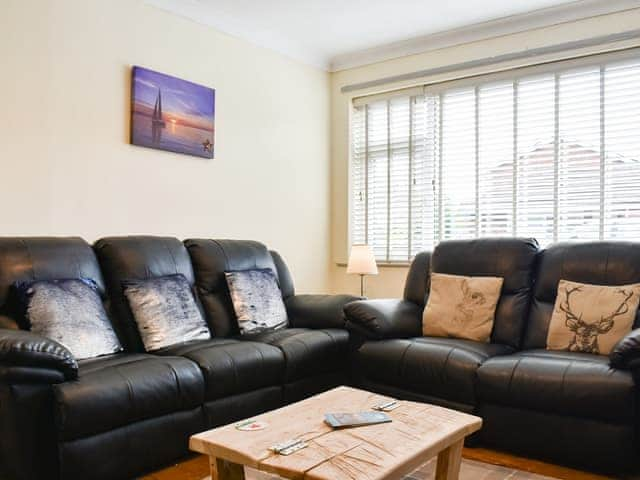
171,114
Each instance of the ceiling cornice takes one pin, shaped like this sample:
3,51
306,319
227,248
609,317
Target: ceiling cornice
546,17
192,10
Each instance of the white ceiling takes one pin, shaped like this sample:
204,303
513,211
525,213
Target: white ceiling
332,34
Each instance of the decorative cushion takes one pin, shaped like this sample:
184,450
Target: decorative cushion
165,311
461,307
591,318
257,300
71,313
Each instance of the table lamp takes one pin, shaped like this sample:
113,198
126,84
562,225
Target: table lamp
362,262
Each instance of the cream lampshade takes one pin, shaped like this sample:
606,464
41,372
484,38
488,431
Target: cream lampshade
362,261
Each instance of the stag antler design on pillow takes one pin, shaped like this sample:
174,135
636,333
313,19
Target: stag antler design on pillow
586,334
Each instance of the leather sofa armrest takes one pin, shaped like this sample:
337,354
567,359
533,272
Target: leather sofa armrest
11,374
626,353
25,356
317,311
385,318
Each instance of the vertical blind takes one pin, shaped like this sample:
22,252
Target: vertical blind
549,153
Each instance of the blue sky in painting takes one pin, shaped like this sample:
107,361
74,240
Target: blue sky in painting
178,95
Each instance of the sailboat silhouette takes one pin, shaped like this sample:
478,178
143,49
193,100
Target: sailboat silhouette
157,122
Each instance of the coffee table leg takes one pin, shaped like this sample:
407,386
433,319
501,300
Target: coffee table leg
223,470
449,462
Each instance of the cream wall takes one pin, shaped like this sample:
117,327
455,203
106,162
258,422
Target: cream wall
281,169
67,167
390,281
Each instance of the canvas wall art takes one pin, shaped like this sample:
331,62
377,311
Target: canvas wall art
171,114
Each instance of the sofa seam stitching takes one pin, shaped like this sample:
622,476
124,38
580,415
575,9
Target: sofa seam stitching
402,357
173,258
513,372
178,385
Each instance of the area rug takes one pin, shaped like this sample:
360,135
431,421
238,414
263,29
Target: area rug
469,470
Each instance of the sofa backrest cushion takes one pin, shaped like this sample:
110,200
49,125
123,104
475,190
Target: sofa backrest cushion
284,275
598,263
513,259
417,285
138,258
25,259
211,258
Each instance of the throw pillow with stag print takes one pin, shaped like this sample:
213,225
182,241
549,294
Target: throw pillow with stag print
592,318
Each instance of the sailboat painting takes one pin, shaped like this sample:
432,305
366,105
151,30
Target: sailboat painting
168,113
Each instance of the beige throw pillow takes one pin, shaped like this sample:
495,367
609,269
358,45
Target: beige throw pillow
461,307
591,318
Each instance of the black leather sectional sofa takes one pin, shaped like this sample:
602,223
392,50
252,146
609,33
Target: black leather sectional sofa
571,408
117,416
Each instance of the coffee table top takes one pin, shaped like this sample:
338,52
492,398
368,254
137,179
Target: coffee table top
418,432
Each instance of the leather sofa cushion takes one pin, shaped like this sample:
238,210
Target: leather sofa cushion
138,258
308,352
562,383
439,367
28,259
231,367
121,389
211,259
418,283
512,259
285,279
597,263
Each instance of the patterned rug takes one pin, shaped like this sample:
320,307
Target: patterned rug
470,470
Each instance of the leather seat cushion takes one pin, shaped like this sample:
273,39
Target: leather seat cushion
307,352
121,389
231,367
439,367
563,383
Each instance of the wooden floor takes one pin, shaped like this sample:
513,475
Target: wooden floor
197,468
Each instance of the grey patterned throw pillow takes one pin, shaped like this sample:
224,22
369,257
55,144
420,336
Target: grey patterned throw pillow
165,311
257,300
71,313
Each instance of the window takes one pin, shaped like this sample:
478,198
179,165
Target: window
545,152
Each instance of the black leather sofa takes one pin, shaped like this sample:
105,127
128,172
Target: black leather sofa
117,416
121,415
570,408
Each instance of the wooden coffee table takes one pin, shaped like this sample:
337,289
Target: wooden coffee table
388,451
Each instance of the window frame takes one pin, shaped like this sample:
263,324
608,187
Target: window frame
437,88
